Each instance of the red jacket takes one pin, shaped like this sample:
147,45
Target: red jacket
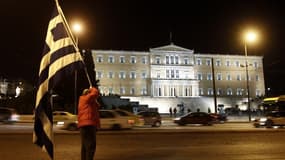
88,109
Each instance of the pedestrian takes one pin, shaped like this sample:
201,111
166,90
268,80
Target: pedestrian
188,110
88,122
170,112
174,111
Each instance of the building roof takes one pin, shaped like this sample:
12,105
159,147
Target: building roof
171,47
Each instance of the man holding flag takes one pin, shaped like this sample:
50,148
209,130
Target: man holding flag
60,58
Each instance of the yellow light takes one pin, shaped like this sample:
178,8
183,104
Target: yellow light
250,36
77,28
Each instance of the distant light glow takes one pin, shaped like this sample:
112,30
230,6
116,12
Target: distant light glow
250,36
77,27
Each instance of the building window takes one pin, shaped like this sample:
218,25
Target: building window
186,60
167,59
209,76
158,75
122,59
159,92
172,59
219,91
237,64
256,78
176,60
255,64
157,60
143,91
177,73
219,76
228,63
144,60
229,92
132,91
100,74
172,73
199,62
199,76
143,75
210,91
218,62
111,59
239,91
122,75
167,74
111,74
229,77
133,75
201,91
172,92
239,77
99,59
208,62
257,92
122,90
133,60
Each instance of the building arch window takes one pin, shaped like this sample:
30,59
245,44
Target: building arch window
122,90
122,59
209,76
208,62
133,59
99,59
157,60
210,91
229,92
239,91
132,91
219,76
198,61
111,59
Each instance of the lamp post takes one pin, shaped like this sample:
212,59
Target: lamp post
77,29
249,37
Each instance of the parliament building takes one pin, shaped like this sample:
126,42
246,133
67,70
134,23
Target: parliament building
172,76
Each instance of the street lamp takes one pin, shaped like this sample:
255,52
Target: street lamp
249,37
77,29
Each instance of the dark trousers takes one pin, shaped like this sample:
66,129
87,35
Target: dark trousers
88,142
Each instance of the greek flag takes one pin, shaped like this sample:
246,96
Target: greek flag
61,57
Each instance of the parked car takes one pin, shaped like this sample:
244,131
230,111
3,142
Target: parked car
275,118
133,119
8,115
150,118
110,120
195,118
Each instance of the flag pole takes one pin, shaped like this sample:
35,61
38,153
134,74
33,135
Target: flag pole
73,40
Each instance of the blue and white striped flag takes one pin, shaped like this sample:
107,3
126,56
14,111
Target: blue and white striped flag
61,57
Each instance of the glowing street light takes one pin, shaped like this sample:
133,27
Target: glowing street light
249,37
77,28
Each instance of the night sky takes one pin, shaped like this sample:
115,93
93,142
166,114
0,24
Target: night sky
212,27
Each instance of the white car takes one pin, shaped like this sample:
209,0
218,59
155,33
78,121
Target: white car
110,120
65,120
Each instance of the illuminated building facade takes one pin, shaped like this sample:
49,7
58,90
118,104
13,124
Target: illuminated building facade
174,75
